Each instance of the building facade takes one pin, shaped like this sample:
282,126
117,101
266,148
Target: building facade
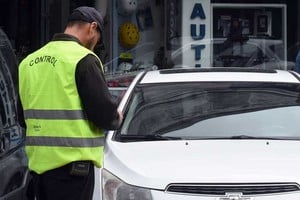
160,34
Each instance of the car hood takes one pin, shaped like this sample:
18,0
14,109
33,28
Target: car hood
159,163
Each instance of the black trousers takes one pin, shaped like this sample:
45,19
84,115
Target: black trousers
59,184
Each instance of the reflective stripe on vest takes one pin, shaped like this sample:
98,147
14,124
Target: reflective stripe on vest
54,114
64,141
60,141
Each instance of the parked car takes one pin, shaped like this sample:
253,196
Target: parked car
206,134
14,175
117,93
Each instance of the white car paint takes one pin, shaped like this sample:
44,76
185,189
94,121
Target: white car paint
155,165
208,161
280,76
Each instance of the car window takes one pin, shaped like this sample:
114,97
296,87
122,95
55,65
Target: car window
2,106
194,110
9,129
6,97
8,81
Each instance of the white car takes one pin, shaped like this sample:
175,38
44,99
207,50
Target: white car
206,134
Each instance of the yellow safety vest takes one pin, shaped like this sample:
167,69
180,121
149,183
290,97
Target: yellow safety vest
58,131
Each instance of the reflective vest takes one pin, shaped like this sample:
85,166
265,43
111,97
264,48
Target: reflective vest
58,131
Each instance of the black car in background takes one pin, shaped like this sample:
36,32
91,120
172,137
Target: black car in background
14,175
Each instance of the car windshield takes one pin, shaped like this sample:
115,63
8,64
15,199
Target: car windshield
213,110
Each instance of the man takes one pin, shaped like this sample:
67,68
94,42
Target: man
66,106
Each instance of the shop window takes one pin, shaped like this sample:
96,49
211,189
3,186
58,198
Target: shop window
138,36
177,33
253,24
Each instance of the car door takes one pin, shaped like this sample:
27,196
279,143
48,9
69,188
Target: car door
14,174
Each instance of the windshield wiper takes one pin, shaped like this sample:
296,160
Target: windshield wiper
246,137
132,138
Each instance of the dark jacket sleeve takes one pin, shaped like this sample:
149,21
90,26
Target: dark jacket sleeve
96,99
20,113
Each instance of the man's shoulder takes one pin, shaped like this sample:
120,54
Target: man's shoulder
89,60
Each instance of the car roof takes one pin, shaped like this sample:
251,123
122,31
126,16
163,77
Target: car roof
219,75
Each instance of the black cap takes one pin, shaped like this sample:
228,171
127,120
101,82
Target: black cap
87,14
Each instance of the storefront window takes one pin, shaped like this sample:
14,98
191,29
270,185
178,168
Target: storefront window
160,34
138,36
176,33
249,36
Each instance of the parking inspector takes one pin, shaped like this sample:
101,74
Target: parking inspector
66,105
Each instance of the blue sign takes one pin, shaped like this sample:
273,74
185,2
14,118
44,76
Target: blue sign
198,12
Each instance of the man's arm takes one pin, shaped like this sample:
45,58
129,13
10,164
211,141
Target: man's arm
95,96
20,113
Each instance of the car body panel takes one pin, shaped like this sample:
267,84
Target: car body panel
281,76
165,162
14,174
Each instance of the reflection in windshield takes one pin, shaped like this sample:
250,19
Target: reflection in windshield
238,55
246,53
204,110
